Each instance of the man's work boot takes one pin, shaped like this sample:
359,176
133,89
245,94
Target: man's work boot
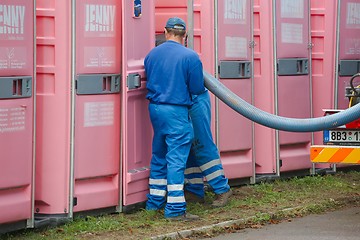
222,199
193,198
185,217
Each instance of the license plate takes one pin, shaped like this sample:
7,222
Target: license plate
341,136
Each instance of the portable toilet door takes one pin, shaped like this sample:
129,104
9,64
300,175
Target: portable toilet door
286,88
348,48
78,134
293,79
97,62
17,78
138,39
234,51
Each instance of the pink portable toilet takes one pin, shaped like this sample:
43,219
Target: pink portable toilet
78,97
282,83
17,109
234,61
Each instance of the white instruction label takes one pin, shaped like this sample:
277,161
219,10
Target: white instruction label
12,119
292,9
236,47
235,11
98,114
292,33
353,15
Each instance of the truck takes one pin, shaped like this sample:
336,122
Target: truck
341,145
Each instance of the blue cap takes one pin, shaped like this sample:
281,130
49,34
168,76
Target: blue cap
176,23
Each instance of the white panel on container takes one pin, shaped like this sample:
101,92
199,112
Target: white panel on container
98,114
291,33
292,9
353,15
12,119
235,12
236,47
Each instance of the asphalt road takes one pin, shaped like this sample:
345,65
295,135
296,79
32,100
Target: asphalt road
339,225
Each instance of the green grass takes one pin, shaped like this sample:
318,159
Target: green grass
260,203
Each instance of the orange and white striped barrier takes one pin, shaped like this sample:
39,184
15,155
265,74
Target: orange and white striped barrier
335,154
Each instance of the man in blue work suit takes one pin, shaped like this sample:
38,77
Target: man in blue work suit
174,73
204,158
